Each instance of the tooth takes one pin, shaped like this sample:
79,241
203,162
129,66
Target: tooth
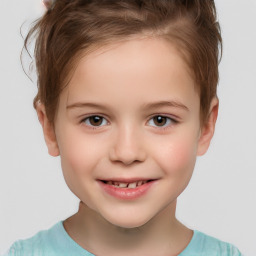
139,183
144,182
123,185
132,185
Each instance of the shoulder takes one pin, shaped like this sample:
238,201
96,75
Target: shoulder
52,242
202,244
40,244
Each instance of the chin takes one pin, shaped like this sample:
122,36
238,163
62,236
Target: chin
128,225
127,221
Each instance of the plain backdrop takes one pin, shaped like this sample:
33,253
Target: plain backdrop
221,198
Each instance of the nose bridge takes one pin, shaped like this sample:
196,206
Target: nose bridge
128,146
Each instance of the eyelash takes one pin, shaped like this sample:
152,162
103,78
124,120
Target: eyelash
170,120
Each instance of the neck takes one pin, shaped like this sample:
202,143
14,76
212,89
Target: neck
164,233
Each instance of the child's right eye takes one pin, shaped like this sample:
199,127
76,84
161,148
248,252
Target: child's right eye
95,121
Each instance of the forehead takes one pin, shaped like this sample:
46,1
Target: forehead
137,67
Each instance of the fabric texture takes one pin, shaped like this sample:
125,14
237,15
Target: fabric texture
56,242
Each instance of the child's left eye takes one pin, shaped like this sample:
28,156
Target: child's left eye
95,121
161,121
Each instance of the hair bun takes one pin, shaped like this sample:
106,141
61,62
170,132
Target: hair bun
48,4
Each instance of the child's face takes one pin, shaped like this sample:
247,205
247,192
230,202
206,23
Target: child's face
146,127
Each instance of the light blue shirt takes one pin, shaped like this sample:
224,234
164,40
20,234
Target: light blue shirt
57,242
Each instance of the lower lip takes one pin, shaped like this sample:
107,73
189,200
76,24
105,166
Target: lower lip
127,193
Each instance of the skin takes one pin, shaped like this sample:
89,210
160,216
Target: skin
122,80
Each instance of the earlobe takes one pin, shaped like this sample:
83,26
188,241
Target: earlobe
48,130
207,130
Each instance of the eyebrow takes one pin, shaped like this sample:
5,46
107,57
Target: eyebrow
174,104
85,104
148,106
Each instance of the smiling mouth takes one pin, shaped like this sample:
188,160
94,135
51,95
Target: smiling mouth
124,185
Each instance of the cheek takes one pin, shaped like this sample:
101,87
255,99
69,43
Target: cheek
178,156
79,157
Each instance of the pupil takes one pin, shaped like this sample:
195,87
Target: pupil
96,120
159,120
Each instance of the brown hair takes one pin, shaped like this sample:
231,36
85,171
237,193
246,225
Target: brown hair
69,29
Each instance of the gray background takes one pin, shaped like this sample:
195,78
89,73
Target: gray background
221,198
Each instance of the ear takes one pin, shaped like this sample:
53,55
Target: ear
48,130
208,128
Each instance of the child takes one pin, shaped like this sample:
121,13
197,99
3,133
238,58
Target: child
127,99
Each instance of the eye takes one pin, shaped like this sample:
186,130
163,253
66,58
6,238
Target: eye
161,121
95,121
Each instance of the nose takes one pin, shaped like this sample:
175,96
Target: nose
127,146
